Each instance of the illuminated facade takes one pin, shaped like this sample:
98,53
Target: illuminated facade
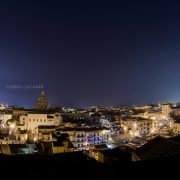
108,122
82,138
31,121
166,110
137,127
42,101
176,128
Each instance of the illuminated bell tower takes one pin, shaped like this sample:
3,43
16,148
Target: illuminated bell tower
42,101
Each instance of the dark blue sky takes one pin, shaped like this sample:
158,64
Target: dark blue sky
90,52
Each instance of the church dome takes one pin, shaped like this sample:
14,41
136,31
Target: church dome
42,101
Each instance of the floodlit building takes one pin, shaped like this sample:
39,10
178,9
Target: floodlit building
108,121
62,146
32,120
82,138
137,127
143,107
176,111
176,128
166,110
42,101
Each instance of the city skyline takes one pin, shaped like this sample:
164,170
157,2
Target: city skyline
89,89
51,105
90,53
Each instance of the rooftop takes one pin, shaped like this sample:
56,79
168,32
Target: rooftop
157,148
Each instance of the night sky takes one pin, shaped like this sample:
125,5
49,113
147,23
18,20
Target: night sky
87,53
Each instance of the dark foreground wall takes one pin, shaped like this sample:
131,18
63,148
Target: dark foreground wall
77,166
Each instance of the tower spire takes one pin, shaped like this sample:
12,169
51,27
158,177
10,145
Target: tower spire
42,101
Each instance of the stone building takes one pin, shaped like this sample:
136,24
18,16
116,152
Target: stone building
42,101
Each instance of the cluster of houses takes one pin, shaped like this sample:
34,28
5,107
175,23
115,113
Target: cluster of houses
56,130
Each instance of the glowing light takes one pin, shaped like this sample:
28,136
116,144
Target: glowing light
135,125
136,133
26,136
125,128
104,132
152,131
12,126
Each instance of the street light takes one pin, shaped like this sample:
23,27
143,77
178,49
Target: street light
125,129
135,125
12,126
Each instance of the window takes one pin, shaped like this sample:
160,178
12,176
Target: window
41,120
44,120
29,120
37,120
33,119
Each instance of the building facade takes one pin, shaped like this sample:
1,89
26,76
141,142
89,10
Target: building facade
31,121
166,110
82,138
176,128
42,101
137,127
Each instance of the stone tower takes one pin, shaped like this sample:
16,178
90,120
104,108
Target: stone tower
42,101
